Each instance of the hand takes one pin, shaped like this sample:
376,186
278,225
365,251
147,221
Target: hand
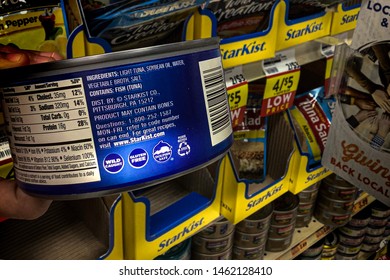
16,204
382,99
11,56
365,114
383,125
365,104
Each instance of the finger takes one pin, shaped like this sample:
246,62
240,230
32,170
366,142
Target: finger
386,106
10,60
35,59
372,113
35,56
53,55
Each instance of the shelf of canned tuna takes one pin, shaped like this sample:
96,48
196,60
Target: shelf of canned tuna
304,237
331,219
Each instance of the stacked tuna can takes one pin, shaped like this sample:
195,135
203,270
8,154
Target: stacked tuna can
251,235
282,224
352,235
329,249
314,252
215,242
181,251
376,228
307,200
335,201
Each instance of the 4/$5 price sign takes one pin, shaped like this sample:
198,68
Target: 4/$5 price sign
237,90
282,78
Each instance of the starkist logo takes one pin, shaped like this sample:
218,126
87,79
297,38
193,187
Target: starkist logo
186,231
246,49
309,29
267,195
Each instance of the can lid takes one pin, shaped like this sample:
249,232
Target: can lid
337,181
331,240
286,202
264,212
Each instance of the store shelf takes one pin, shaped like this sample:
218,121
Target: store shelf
307,236
304,53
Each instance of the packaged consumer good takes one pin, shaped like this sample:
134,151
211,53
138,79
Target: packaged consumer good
237,17
134,24
34,25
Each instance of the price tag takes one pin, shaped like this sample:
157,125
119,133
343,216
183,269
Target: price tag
299,248
234,76
237,90
282,80
283,61
328,52
237,96
323,232
359,205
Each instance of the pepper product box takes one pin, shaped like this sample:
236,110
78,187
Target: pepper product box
148,222
240,197
34,25
292,32
240,49
344,18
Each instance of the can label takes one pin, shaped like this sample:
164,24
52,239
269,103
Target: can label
120,126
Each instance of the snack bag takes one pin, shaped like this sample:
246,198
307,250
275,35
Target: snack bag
34,25
304,8
236,17
249,146
311,117
135,24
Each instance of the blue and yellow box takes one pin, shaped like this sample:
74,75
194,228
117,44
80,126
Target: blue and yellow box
148,222
292,32
241,49
344,18
242,197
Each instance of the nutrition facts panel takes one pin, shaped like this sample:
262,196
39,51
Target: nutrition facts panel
51,133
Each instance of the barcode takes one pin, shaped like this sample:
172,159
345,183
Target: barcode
5,151
271,70
215,94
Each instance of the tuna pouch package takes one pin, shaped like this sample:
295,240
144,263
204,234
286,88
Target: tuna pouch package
249,146
133,24
34,25
303,8
236,17
311,116
359,140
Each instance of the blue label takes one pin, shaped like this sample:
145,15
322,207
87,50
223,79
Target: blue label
122,127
